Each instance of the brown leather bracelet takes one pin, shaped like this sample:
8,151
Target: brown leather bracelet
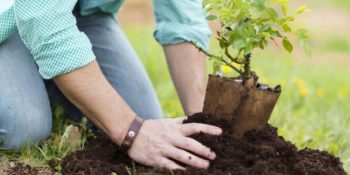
132,133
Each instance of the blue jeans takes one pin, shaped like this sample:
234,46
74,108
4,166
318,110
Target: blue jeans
26,99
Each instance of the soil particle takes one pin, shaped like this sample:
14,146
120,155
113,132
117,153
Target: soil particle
256,153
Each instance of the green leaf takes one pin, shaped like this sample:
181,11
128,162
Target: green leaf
265,27
272,12
234,26
286,27
248,48
211,17
238,43
276,33
302,9
289,18
284,9
259,5
306,45
58,168
302,34
308,49
287,45
216,67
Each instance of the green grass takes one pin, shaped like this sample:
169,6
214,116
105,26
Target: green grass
345,4
337,44
330,42
54,148
335,4
313,111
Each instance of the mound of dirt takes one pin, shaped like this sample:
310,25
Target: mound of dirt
257,153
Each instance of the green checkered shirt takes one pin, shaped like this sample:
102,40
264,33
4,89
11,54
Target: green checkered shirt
49,31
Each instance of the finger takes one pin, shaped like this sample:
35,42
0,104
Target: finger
195,147
186,158
165,163
179,120
196,128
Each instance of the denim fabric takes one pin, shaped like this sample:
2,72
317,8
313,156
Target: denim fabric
25,111
89,7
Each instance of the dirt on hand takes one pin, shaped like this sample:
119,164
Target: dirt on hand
256,153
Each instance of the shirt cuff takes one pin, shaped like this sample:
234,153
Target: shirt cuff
175,33
67,51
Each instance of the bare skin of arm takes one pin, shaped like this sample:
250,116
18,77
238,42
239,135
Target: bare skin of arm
89,90
159,141
187,68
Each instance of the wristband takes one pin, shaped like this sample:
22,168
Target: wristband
132,133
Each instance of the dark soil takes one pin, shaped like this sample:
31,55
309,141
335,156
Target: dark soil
256,153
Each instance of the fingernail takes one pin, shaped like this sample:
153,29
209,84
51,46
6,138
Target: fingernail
218,131
213,155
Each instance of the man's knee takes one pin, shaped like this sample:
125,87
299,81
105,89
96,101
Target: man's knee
19,128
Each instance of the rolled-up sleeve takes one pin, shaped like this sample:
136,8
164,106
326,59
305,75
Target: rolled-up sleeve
181,21
48,29
7,24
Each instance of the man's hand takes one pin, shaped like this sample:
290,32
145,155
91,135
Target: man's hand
161,141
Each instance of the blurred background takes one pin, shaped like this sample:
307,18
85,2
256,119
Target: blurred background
314,108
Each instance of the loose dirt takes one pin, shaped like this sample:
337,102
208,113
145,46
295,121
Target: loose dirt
256,153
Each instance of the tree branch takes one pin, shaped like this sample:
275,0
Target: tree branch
233,59
222,60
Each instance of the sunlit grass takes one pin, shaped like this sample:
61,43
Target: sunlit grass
337,44
337,4
341,3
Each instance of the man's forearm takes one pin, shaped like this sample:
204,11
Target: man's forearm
188,71
89,90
